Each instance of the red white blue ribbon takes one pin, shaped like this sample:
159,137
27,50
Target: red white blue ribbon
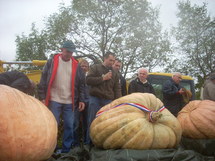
139,106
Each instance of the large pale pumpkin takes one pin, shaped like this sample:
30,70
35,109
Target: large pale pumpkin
197,119
129,127
28,130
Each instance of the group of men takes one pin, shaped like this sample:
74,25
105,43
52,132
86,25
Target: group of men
75,91
68,91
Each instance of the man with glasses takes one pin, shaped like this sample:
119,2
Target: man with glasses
61,88
172,94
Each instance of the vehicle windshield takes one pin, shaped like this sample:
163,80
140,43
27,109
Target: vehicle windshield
157,82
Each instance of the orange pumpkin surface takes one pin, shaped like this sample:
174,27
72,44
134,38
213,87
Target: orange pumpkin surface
197,119
28,130
129,127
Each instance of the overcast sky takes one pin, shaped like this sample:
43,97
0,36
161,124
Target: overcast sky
16,17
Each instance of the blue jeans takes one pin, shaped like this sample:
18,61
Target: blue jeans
68,122
94,106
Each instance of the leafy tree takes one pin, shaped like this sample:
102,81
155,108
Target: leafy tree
195,36
129,28
32,47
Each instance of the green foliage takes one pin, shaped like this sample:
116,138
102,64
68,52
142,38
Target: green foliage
195,35
31,48
129,28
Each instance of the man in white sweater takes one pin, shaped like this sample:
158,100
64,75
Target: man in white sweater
61,88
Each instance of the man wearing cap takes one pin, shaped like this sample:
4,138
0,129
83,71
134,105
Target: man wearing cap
61,88
209,88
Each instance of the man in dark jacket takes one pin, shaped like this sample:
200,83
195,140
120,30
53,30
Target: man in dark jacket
117,66
104,87
172,94
17,80
61,88
140,84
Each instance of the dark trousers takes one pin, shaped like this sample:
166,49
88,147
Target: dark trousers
95,104
80,125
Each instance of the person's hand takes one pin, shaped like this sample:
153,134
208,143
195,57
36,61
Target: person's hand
81,106
181,91
107,76
43,101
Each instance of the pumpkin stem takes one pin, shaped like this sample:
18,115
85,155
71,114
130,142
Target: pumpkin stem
154,116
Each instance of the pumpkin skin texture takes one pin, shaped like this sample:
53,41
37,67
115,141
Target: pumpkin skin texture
28,130
128,127
197,119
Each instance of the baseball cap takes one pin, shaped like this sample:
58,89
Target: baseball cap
69,45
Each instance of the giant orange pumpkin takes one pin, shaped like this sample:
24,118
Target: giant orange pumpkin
197,119
126,126
28,130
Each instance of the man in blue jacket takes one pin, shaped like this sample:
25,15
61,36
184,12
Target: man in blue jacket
61,88
172,94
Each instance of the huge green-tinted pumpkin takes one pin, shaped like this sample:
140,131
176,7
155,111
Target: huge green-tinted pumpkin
129,127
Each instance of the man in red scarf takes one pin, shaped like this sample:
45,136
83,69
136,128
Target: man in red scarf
61,88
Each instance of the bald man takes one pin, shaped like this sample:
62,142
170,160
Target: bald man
140,84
